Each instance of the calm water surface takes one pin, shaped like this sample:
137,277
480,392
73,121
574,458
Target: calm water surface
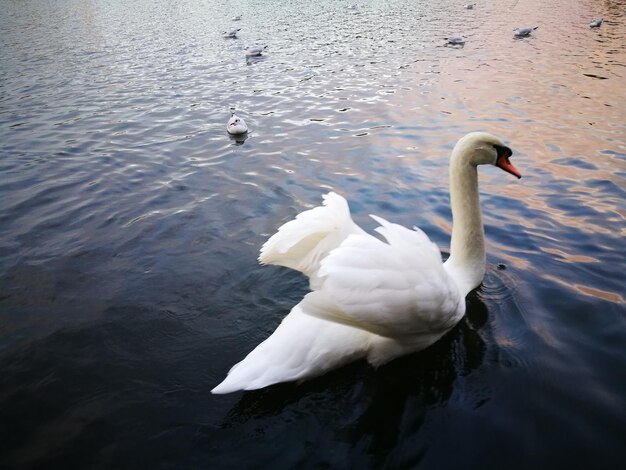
130,224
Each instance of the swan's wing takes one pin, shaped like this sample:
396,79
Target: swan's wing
395,289
301,347
302,243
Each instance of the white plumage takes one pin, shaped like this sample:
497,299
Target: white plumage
231,34
236,125
302,243
371,298
254,51
524,32
456,40
395,288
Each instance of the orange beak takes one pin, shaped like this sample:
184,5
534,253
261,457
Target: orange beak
503,161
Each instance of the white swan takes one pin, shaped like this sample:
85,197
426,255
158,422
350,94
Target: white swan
236,125
370,298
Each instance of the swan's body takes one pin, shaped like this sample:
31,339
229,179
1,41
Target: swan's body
254,51
524,32
456,40
596,23
236,125
370,298
232,34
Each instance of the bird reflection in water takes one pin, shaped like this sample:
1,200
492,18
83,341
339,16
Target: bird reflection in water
238,139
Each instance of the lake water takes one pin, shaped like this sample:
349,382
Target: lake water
130,224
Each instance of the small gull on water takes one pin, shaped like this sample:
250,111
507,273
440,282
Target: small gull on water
232,34
596,23
524,32
236,125
456,40
254,51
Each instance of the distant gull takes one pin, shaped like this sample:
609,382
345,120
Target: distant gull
254,51
236,125
456,40
236,18
524,32
232,34
470,6
596,23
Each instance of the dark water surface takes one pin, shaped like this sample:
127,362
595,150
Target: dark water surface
130,224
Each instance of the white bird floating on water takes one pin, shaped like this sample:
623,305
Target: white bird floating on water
254,51
596,23
456,40
232,34
524,32
236,125
370,298
236,18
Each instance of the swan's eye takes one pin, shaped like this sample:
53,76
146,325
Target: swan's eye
503,151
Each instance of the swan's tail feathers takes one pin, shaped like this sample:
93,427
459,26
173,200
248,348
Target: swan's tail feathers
302,347
303,242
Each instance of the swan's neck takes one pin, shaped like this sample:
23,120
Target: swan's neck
467,247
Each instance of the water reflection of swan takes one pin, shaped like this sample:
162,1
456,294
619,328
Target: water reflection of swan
372,299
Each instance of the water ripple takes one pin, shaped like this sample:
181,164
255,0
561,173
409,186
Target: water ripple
130,224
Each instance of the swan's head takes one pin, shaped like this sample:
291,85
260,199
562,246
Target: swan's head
482,148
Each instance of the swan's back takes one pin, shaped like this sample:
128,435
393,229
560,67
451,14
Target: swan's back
395,288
